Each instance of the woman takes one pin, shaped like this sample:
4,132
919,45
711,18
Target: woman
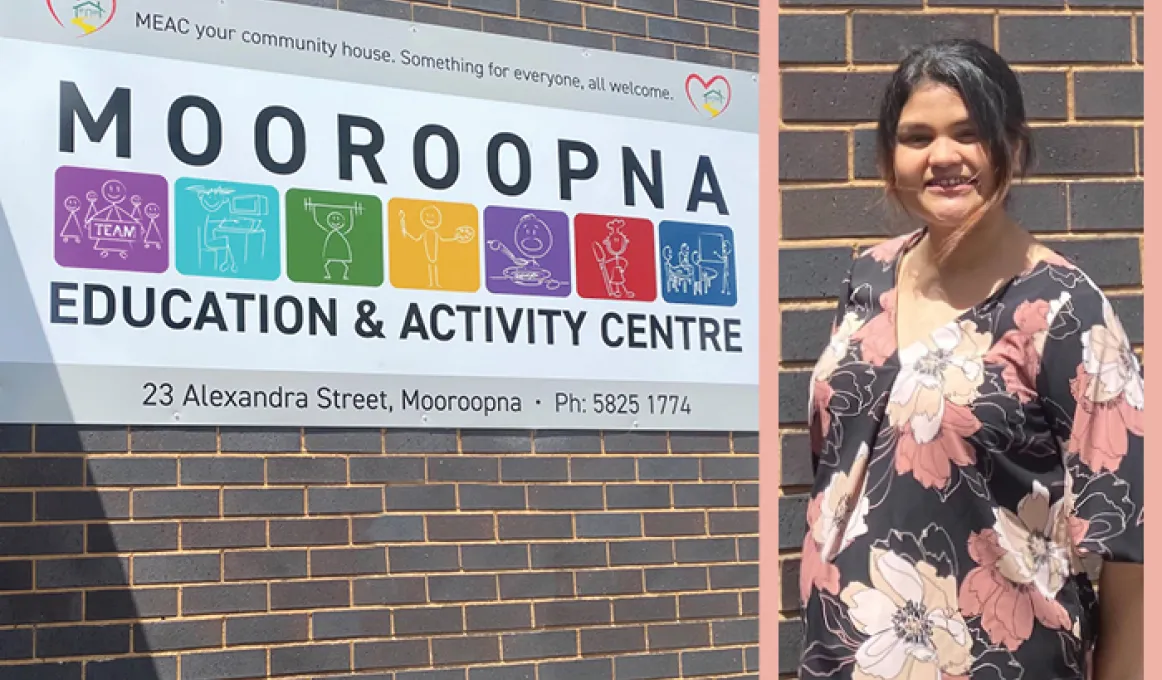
977,422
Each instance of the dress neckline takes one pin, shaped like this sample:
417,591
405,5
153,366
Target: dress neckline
970,313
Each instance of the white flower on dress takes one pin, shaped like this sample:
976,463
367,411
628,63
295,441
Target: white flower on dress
948,366
911,616
1055,307
1036,540
837,346
819,389
1109,358
841,520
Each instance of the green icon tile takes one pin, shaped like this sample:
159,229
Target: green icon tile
334,238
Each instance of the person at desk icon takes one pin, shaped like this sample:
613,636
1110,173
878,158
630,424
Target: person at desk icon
680,276
219,236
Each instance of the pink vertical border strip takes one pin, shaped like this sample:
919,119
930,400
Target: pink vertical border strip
1151,253
769,327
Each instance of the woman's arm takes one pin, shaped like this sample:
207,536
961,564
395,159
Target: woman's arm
1120,651
1093,391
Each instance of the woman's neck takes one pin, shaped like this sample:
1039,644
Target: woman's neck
995,245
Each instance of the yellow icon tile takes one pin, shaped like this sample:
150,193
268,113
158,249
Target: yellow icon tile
433,245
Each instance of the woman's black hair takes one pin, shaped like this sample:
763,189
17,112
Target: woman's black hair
990,92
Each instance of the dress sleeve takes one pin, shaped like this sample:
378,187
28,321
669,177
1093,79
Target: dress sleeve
1092,386
815,400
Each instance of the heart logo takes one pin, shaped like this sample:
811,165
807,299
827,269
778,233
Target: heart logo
84,17
708,97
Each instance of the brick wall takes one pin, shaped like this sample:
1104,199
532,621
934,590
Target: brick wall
1080,63
155,554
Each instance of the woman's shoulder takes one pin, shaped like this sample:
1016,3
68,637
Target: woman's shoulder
1055,276
1060,295
872,264
888,250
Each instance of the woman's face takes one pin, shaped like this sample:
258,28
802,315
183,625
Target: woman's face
942,171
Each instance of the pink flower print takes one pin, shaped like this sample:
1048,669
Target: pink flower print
1024,561
877,338
930,460
1019,351
1006,609
929,404
1110,395
814,570
818,414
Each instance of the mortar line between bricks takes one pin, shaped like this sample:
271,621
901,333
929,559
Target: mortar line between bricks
833,126
1138,153
886,68
928,11
1070,97
1029,181
1122,67
836,68
849,39
811,11
1134,39
849,139
808,306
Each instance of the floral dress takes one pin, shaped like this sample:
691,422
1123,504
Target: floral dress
969,487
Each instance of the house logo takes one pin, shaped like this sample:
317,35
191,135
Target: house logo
84,17
708,97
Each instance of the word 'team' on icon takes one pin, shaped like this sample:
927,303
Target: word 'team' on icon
111,220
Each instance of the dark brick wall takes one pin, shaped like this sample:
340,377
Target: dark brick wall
229,553
203,554
1080,62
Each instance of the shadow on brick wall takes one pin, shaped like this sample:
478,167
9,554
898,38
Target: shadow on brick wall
77,601
64,590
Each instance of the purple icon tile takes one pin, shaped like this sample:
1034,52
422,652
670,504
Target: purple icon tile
527,251
111,220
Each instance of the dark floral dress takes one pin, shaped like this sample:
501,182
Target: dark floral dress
969,487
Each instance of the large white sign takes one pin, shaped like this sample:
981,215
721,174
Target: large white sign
246,212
